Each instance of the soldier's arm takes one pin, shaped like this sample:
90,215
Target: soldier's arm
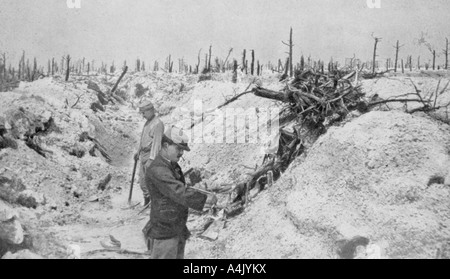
157,137
176,190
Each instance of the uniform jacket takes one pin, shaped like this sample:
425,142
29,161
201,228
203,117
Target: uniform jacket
170,200
150,143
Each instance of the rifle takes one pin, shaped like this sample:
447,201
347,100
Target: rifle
132,181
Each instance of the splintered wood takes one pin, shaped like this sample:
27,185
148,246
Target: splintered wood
316,97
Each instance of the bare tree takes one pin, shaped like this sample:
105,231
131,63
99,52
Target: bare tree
290,45
243,60
68,67
397,48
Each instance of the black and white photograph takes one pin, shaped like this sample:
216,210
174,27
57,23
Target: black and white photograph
224,130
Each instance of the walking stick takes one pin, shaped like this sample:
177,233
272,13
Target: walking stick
132,181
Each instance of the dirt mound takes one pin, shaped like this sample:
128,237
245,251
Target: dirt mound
384,176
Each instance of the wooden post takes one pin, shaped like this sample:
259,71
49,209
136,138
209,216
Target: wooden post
418,63
403,69
258,69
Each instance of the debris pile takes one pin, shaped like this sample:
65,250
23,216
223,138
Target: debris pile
313,101
318,99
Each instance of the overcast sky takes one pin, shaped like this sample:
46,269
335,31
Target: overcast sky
152,29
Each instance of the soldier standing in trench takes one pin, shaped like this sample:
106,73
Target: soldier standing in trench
166,231
149,145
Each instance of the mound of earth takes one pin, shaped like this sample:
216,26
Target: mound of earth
384,176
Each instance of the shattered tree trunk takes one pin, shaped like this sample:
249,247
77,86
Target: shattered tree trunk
235,66
209,60
198,62
286,69
374,55
68,67
226,60
434,59
396,56
270,94
253,63
446,53
243,60
290,45
120,78
410,63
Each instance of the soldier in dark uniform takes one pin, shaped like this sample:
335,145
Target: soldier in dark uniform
166,232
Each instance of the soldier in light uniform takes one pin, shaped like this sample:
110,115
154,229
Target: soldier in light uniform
149,145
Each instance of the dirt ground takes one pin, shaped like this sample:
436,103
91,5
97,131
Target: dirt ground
383,175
